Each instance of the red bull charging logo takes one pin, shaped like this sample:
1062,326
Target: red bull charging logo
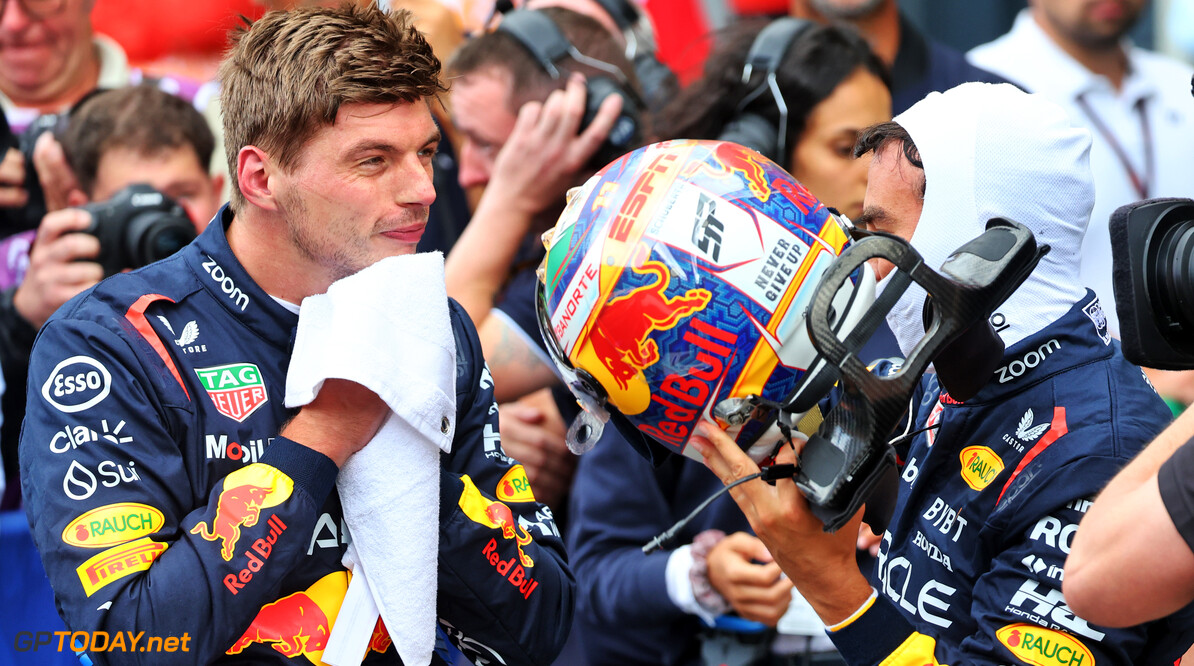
621,342
300,624
498,516
292,625
732,159
246,492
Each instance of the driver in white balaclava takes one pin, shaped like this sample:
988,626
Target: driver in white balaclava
970,565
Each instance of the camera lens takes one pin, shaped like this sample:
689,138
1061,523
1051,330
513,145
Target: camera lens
155,235
168,240
1171,279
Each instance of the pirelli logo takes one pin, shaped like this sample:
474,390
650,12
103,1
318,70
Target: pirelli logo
116,563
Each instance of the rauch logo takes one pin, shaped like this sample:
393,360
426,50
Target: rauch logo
113,524
980,466
236,389
1043,647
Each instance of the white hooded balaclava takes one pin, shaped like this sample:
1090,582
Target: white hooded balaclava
996,151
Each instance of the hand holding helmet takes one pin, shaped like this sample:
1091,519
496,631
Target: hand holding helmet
675,289
682,282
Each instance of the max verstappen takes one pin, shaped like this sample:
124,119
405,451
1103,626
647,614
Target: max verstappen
170,491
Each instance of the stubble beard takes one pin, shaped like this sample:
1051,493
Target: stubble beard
338,259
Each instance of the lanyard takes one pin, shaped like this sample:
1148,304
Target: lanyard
1141,184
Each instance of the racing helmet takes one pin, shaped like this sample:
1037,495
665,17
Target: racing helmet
675,287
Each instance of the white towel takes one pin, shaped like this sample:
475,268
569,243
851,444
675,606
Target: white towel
388,329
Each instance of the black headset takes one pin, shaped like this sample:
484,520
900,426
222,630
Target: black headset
656,79
767,52
539,35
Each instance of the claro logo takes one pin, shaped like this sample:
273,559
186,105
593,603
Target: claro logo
76,384
216,271
1027,362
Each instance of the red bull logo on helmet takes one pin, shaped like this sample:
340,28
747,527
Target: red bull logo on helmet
498,516
683,396
246,492
620,343
732,159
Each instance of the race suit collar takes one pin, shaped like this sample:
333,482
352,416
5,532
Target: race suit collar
222,275
1078,337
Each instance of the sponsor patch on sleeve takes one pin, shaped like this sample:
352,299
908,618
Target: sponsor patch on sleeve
1043,647
246,492
118,562
515,487
112,524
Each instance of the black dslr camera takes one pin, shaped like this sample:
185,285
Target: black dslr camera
1153,280
138,226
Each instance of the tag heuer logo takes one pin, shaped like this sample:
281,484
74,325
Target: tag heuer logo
235,389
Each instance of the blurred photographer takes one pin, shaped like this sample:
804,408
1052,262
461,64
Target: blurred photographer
137,135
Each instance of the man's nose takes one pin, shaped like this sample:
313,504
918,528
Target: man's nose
13,16
472,169
424,187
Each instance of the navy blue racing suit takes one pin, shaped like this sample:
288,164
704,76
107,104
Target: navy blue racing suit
970,568
163,500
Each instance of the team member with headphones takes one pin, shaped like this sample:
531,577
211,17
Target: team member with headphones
542,102
801,106
799,93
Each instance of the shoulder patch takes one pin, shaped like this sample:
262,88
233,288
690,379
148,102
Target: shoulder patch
515,487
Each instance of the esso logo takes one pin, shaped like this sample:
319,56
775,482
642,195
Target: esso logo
76,384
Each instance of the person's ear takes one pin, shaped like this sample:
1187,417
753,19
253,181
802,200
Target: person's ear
253,170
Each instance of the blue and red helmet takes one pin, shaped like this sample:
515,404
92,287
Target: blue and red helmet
675,288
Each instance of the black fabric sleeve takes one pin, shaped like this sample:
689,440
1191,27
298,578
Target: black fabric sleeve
1176,482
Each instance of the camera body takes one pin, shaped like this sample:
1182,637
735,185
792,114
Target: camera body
1153,280
138,226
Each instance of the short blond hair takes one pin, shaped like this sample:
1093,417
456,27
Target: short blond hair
288,74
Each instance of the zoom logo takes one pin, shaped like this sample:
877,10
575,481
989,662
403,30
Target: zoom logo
76,384
1027,362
